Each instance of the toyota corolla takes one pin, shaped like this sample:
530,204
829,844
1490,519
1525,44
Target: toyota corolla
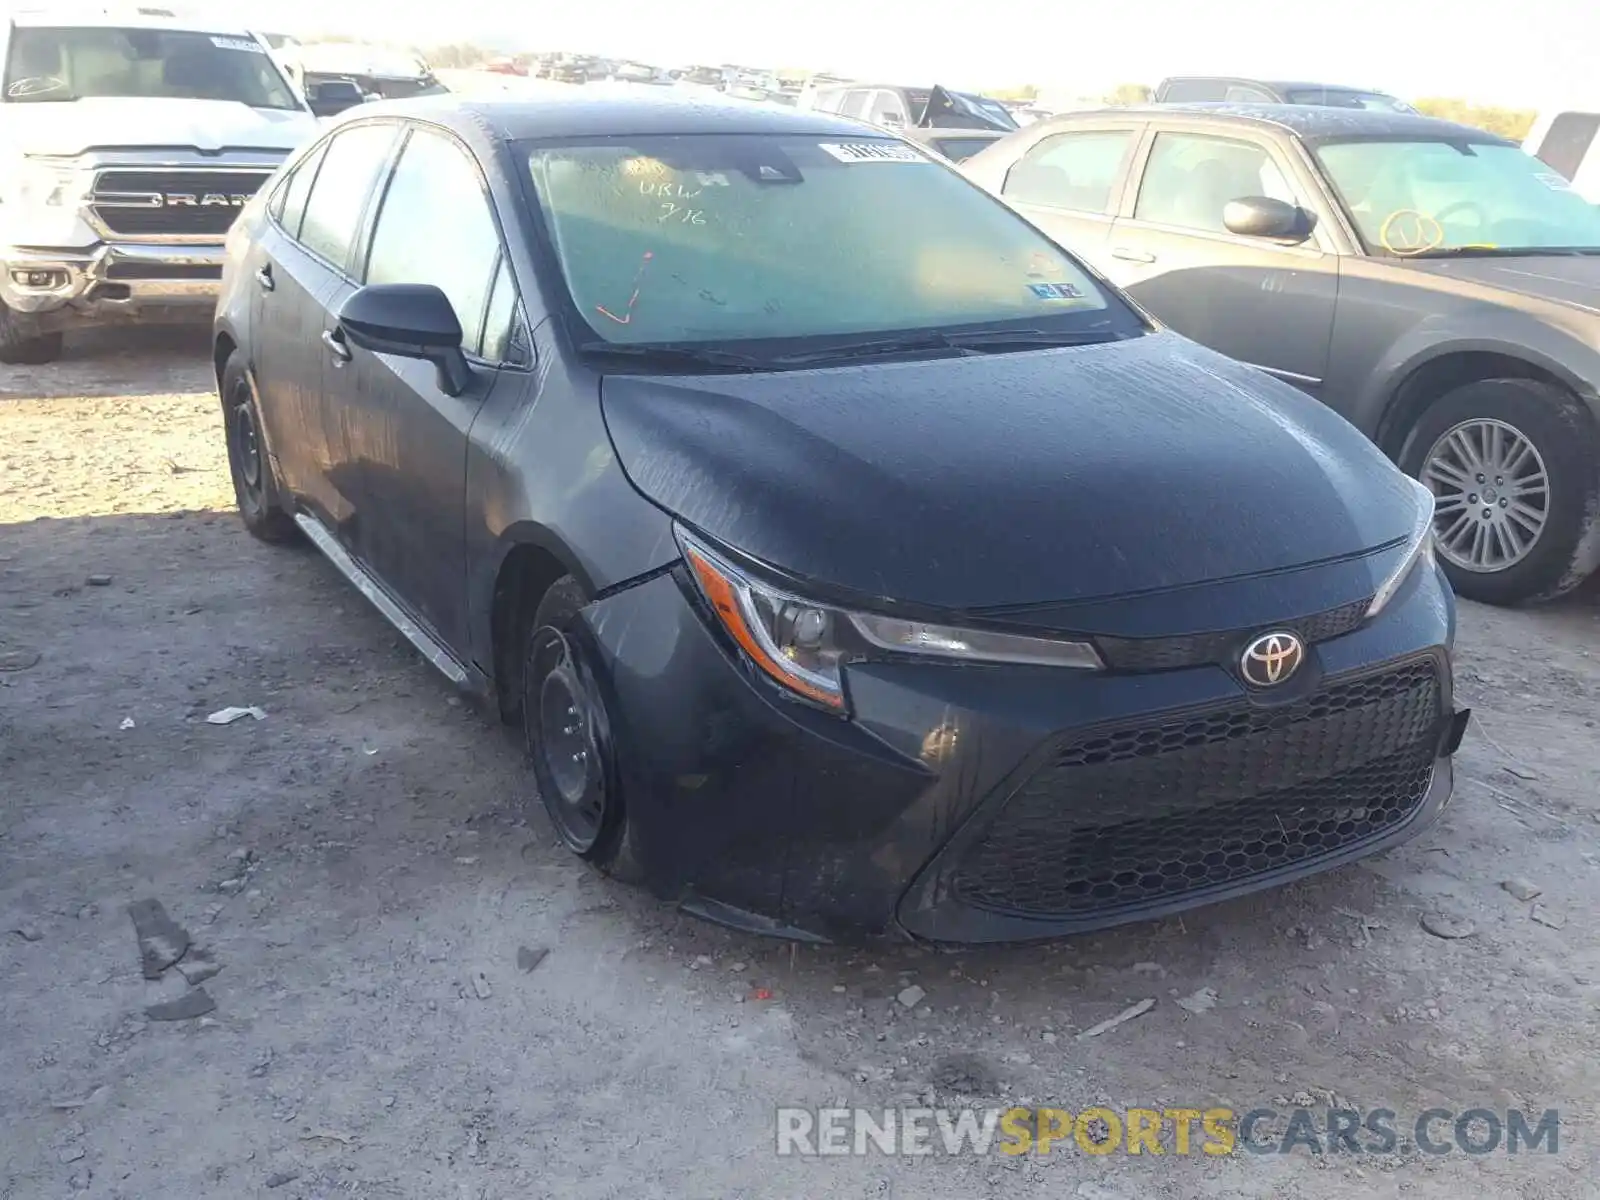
853,559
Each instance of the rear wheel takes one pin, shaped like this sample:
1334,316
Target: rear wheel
1514,466
254,488
567,729
20,346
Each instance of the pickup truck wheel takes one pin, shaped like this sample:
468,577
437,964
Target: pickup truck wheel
19,348
1514,465
254,488
568,734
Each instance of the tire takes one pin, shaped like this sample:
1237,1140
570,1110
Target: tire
19,348
255,489
564,717
1562,436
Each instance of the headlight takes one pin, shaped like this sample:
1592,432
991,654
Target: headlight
1418,549
803,644
50,183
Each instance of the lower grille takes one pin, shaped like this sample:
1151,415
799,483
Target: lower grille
141,270
149,203
1143,813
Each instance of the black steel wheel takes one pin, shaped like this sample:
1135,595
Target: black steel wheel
568,733
254,489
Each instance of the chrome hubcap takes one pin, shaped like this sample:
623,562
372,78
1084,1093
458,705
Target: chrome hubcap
1492,495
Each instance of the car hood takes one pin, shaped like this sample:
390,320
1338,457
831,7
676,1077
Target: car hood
75,127
1012,479
1572,279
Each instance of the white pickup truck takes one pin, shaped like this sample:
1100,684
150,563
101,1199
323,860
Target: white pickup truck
129,140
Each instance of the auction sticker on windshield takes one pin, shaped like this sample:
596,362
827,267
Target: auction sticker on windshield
871,152
234,43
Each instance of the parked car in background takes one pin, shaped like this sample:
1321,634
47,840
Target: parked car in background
128,144
1189,89
1431,282
955,125
378,70
851,558
1568,141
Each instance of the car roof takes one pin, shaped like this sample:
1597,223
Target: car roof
597,111
1307,121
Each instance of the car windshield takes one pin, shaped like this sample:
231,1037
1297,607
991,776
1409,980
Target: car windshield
711,239
50,65
1341,98
1435,197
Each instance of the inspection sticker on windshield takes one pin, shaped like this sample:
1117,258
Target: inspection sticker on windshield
870,152
1556,183
1055,291
234,43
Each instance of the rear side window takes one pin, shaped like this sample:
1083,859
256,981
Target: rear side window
1070,170
1564,147
350,168
1189,91
289,205
436,226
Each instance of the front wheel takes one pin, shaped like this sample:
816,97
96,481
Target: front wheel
22,347
1514,466
567,729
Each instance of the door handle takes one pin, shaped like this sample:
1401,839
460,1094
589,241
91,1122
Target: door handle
336,346
1133,256
264,278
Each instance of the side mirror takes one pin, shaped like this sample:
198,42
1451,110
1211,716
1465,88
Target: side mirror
411,320
332,96
1264,217
894,118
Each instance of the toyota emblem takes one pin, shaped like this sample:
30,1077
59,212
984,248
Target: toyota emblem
1271,659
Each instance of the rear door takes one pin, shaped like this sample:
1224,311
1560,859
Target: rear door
404,440
303,260
1069,181
1263,302
290,286
330,234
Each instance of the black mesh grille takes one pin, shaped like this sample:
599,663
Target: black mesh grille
192,202
1132,815
1172,653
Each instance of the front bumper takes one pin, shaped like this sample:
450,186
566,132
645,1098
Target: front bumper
114,283
974,804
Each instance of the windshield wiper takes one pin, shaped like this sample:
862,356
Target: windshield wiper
967,342
671,355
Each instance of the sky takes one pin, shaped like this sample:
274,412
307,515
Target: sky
1519,53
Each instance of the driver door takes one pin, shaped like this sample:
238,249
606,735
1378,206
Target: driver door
1266,303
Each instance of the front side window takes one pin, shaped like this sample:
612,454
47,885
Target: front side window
1070,170
1189,180
1244,94
736,237
50,65
350,168
1416,198
436,227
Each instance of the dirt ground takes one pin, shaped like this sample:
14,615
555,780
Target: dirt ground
363,865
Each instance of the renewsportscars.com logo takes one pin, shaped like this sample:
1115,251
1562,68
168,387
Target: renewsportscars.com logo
1210,1131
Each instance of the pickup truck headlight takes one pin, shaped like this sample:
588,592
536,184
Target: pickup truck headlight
803,644
1419,549
50,183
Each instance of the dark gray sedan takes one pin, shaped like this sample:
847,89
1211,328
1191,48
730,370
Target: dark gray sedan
1433,283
